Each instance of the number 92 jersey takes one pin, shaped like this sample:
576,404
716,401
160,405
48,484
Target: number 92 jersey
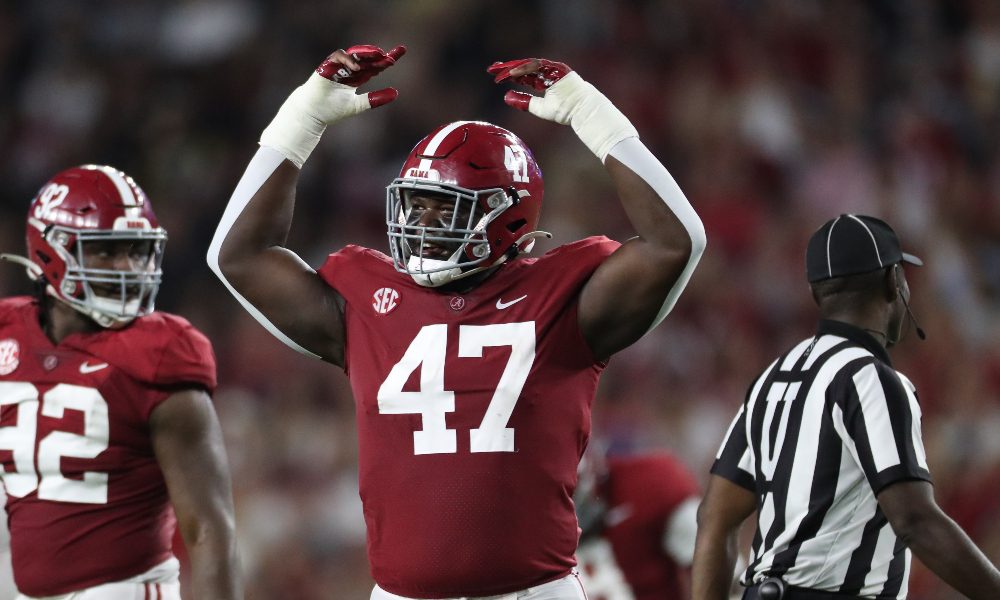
86,500
473,410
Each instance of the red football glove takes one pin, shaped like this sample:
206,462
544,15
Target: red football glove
328,96
567,99
537,73
358,64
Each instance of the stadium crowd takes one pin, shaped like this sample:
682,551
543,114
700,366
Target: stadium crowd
773,115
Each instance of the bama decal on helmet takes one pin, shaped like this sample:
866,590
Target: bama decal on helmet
416,173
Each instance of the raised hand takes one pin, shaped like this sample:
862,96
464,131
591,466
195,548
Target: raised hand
557,80
356,65
328,96
537,73
567,99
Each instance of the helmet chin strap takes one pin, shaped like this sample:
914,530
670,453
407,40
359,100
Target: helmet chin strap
100,310
94,313
447,275
417,264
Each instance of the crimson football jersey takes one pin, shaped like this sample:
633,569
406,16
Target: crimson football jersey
473,410
86,500
641,494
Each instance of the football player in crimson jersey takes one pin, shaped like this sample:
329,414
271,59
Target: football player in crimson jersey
637,514
473,368
108,438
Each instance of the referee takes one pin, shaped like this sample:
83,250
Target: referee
827,449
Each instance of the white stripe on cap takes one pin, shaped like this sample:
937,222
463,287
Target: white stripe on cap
124,189
872,236
829,234
432,146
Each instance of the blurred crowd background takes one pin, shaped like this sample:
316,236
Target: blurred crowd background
773,115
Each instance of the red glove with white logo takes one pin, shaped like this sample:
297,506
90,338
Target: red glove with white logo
567,99
358,64
326,97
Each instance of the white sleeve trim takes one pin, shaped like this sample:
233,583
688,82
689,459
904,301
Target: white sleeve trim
633,154
681,531
261,167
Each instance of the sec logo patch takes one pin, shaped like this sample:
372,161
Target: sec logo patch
385,300
10,356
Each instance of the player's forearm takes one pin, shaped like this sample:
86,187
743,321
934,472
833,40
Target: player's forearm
947,551
714,561
214,565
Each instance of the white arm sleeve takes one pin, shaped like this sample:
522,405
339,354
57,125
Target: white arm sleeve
680,533
263,164
633,154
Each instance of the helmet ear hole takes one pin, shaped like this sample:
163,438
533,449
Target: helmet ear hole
514,226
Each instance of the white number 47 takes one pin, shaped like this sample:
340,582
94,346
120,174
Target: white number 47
516,162
427,352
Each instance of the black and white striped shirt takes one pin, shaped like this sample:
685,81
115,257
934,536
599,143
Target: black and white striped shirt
822,430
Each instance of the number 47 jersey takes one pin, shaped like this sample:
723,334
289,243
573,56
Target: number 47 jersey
473,410
86,500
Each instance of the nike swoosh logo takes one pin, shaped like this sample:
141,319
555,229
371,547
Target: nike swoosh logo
86,367
502,305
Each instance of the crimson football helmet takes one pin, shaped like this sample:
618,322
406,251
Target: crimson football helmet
94,204
496,186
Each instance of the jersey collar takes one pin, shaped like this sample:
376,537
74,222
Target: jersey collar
854,334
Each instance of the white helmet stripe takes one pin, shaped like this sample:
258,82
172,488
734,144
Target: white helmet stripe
432,146
124,189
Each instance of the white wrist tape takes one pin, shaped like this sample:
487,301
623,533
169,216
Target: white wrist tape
593,117
302,119
633,154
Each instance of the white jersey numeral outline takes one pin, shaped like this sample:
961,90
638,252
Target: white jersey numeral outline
427,352
47,477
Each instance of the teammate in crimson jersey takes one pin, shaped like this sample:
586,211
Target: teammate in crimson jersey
108,438
473,368
638,519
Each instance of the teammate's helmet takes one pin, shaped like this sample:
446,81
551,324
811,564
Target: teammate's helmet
94,204
497,189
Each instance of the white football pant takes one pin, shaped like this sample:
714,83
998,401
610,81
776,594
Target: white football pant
159,583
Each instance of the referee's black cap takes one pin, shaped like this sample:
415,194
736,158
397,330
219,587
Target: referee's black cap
853,244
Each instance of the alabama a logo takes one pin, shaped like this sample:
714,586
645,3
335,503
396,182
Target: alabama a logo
10,356
385,300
